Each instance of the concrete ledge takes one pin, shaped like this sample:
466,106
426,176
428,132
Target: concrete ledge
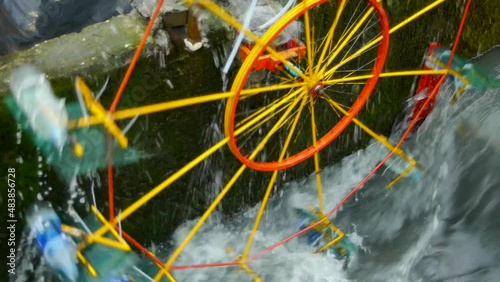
99,48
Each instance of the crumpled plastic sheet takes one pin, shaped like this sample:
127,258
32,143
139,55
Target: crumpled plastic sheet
264,10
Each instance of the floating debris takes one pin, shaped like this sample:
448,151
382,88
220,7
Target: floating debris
45,113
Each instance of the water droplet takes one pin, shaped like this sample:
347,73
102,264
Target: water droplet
170,84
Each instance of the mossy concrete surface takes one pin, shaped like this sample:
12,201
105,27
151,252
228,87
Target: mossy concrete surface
99,48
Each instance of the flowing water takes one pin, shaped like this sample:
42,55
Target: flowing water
441,228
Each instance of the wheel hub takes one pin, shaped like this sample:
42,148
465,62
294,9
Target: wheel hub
317,89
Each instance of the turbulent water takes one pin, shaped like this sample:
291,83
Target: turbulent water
441,228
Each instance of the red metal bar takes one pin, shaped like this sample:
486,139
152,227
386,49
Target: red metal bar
347,197
117,98
413,123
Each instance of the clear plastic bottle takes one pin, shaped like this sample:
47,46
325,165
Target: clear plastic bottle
58,249
46,113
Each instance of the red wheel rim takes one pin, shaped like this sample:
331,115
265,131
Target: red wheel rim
337,128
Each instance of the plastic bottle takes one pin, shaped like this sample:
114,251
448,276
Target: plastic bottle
58,249
46,113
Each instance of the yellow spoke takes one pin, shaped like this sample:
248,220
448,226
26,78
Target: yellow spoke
347,31
226,189
245,93
329,74
259,111
270,116
159,107
309,50
380,138
271,109
262,109
346,40
272,181
316,157
174,177
351,72
378,39
313,46
384,74
329,37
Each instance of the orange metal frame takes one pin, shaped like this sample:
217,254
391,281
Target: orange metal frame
265,61
293,49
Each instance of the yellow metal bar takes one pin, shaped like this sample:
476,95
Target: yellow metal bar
123,245
459,93
380,138
329,244
456,74
272,181
70,230
110,243
85,263
250,271
204,217
155,191
251,116
159,107
329,37
316,158
384,74
398,151
416,15
243,264
326,223
245,93
98,110
216,10
226,189
310,61
88,240
413,72
91,239
149,109
401,175
344,43
444,67
169,276
378,39
383,140
270,116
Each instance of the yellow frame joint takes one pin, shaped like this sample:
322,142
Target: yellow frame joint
98,110
243,265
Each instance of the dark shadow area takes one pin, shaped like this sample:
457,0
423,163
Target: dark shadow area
25,23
